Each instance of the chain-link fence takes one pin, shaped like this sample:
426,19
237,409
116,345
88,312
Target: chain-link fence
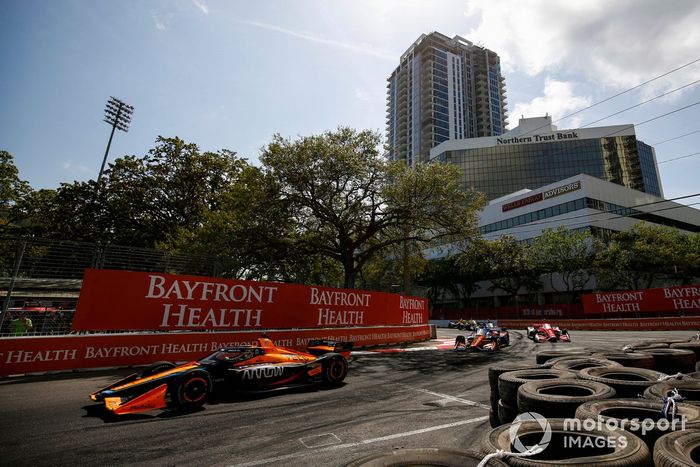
40,279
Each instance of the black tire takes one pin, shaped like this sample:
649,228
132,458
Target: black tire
672,361
687,416
560,398
557,453
688,345
627,382
335,369
423,457
506,413
688,388
192,389
678,449
508,383
460,340
544,355
496,371
494,421
576,364
629,359
156,367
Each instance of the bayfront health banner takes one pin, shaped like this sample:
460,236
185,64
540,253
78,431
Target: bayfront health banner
682,299
127,300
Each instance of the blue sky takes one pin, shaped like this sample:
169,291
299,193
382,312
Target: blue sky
231,73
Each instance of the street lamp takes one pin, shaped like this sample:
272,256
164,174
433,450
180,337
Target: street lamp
117,114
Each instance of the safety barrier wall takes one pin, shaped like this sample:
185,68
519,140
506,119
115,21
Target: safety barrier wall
128,300
689,323
23,355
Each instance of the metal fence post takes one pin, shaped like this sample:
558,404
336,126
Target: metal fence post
10,288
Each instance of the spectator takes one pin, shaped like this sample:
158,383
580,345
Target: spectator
20,325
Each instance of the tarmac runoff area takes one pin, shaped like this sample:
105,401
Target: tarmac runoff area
422,395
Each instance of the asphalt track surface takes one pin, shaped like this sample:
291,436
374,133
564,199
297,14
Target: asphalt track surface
423,396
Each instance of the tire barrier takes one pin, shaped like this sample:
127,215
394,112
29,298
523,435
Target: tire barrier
495,396
672,361
690,345
508,383
545,355
560,398
506,413
576,364
627,382
425,457
689,389
678,449
651,423
567,446
629,359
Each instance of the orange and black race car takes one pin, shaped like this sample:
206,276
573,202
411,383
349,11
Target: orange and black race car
261,367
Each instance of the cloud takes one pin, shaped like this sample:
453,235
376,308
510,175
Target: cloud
162,20
202,5
361,49
557,100
618,44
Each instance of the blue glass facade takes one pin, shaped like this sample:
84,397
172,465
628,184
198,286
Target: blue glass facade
504,169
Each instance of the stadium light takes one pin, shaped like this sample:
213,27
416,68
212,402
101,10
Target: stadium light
117,114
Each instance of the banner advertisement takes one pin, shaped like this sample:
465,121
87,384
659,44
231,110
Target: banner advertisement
22,355
127,300
683,299
691,323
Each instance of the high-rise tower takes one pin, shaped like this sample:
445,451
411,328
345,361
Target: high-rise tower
443,89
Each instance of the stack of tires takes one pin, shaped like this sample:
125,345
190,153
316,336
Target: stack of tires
605,390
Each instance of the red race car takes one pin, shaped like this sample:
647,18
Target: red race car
545,332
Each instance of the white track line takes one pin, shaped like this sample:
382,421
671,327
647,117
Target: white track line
454,398
363,442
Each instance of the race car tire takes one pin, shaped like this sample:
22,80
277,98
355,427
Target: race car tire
677,449
424,457
576,364
545,355
627,382
335,369
192,389
529,432
508,383
673,361
687,416
689,345
689,389
460,340
629,359
156,367
560,398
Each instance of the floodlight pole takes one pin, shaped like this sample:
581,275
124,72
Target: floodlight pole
117,114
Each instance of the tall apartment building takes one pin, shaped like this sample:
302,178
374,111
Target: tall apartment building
443,89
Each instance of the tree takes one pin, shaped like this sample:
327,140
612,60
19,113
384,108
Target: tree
349,204
512,266
12,191
567,253
645,255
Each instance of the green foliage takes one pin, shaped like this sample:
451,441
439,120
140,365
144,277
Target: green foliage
568,253
349,204
647,255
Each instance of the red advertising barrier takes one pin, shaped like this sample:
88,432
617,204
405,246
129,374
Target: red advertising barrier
690,323
679,299
21,355
126,300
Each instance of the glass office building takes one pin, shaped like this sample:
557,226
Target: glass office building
443,89
536,154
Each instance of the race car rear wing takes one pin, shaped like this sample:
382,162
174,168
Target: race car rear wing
321,346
